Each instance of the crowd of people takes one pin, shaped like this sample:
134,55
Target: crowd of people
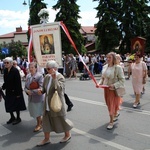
95,62
40,88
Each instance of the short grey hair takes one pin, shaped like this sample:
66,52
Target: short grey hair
33,63
8,59
52,64
15,62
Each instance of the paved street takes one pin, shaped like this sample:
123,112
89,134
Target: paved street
90,118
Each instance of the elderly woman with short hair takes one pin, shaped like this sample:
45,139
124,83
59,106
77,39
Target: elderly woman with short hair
54,121
35,101
14,100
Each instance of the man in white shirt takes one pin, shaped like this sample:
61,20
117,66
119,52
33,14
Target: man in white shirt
86,61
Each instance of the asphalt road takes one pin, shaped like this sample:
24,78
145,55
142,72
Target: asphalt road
90,118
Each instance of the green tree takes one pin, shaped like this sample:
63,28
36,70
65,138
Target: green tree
124,19
35,7
69,14
132,19
147,36
144,23
107,32
15,49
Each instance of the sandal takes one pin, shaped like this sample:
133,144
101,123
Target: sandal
43,143
110,126
115,118
37,128
117,115
136,104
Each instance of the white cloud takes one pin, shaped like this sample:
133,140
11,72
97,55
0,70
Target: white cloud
9,20
88,18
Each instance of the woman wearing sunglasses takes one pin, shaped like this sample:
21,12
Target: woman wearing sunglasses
54,121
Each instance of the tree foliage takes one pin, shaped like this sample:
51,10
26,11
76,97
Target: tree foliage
35,7
69,14
107,27
120,21
133,20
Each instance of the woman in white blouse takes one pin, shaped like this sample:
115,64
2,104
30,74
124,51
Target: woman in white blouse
113,77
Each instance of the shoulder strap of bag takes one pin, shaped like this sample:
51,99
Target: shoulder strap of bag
115,74
55,87
57,73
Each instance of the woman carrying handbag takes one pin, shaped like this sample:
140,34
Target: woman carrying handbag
113,77
54,121
34,80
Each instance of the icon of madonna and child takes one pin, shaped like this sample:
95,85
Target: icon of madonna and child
47,44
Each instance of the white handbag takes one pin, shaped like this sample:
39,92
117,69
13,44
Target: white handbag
120,91
55,103
21,73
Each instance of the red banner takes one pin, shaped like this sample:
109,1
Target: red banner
30,46
73,44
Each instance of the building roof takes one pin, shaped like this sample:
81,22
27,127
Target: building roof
87,29
12,34
83,30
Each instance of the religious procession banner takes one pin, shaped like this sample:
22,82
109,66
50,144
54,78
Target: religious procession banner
51,33
46,41
138,45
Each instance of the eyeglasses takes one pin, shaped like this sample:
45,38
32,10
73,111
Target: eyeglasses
6,62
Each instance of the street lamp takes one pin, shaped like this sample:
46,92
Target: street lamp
24,3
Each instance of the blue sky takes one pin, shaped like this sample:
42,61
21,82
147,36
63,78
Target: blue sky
13,14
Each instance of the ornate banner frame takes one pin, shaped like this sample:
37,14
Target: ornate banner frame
46,40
